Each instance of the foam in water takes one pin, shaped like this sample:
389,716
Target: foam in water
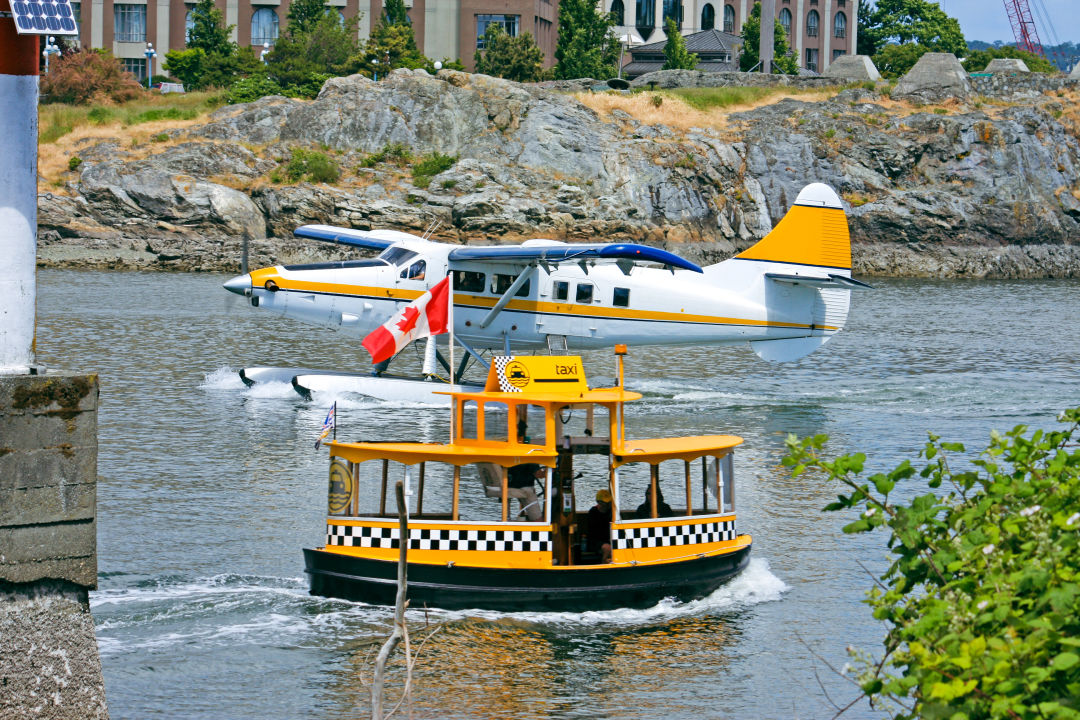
224,378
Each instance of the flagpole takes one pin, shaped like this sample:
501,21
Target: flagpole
335,421
450,322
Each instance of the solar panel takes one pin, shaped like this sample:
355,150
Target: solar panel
44,17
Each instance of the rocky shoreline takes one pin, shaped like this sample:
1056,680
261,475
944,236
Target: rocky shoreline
983,187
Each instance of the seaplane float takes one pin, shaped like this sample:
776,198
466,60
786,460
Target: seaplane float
785,296
533,420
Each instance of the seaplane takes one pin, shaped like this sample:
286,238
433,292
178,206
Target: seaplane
786,296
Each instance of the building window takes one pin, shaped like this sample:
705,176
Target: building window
509,25
618,12
264,26
839,25
838,53
841,3
708,17
729,19
812,21
672,11
129,23
189,26
646,17
811,59
135,66
785,20
621,297
76,12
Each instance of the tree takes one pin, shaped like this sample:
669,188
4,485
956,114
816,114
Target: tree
587,46
894,61
80,76
390,46
304,15
323,49
909,21
676,56
981,602
394,13
210,33
978,60
513,58
210,59
783,60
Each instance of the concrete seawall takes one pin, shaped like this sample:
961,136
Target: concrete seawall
49,662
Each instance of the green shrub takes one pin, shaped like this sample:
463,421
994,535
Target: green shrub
158,114
161,137
251,88
448,184
657,100
433,164
74,162
313,165
981,603
830,133
100,115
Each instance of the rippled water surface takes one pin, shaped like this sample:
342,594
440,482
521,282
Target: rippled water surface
208,491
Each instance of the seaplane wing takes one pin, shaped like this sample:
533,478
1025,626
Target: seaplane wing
785,296
625,255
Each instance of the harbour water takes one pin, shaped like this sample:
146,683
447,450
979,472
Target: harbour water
209,490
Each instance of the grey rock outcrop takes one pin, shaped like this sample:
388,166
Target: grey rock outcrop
1075,74
853,67
526,161
1006,65
936,77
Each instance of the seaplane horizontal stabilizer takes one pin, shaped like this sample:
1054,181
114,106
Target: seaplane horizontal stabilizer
830,281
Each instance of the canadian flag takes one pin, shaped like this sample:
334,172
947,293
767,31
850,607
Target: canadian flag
423,317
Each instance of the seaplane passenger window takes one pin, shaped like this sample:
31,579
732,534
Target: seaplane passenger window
416,271
397,256
560,290
502,283
470,282
584,292
621,297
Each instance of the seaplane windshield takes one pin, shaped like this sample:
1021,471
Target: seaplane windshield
397,255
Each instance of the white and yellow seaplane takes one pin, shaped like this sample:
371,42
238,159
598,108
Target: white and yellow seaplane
785,296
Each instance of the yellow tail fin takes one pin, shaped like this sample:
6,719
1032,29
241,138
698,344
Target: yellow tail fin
814,232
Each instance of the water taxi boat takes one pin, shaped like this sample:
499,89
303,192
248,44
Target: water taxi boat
470,547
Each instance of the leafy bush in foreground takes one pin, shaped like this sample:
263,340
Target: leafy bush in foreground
982,600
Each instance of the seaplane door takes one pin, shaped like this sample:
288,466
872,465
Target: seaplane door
567,298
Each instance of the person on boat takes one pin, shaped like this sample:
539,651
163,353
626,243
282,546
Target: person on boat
644,510
521,485
598,528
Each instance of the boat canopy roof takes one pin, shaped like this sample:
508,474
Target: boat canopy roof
407,453
657,450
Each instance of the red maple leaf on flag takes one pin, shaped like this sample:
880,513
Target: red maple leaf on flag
408,320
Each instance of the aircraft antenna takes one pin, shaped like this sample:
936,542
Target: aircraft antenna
432,228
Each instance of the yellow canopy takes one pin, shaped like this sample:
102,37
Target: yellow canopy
657,450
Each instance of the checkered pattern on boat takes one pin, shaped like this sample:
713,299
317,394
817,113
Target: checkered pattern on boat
671,535
425,539
501,361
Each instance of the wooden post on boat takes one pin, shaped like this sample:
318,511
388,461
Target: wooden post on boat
505,493
457,486
400,633
420,492
689,491
355,489
654,481
385,476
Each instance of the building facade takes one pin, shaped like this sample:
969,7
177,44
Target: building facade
818,30
443,28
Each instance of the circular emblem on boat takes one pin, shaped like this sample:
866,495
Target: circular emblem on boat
340,486
517,374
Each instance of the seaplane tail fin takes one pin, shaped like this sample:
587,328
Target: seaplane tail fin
805,263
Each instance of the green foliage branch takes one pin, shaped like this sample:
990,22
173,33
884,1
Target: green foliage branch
676,56
982,599
514,58
901,22
784,61
977,60
894,61
587,45
302,60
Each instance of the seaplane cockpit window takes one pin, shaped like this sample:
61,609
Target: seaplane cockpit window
621,297
584,292
502,283
470,282
416,271
560,290
397,255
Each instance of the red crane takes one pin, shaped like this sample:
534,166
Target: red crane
1023,27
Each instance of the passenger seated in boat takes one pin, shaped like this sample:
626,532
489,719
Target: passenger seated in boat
520,484
644,510
598,529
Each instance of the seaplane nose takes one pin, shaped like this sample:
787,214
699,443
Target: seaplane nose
239,284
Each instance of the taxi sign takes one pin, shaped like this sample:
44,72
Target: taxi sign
537,373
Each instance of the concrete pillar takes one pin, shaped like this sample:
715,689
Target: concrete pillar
853,28
18,193
49,663
798,29
161,41
741,17
768,21
826,36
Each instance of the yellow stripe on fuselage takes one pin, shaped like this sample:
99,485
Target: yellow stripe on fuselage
259,278
806,236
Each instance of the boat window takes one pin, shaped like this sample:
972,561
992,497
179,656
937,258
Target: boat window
560,290
397,255
470,282
584,292
621,297
635,480
501,283
416,271
468,420
706,489
530,424
496,421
